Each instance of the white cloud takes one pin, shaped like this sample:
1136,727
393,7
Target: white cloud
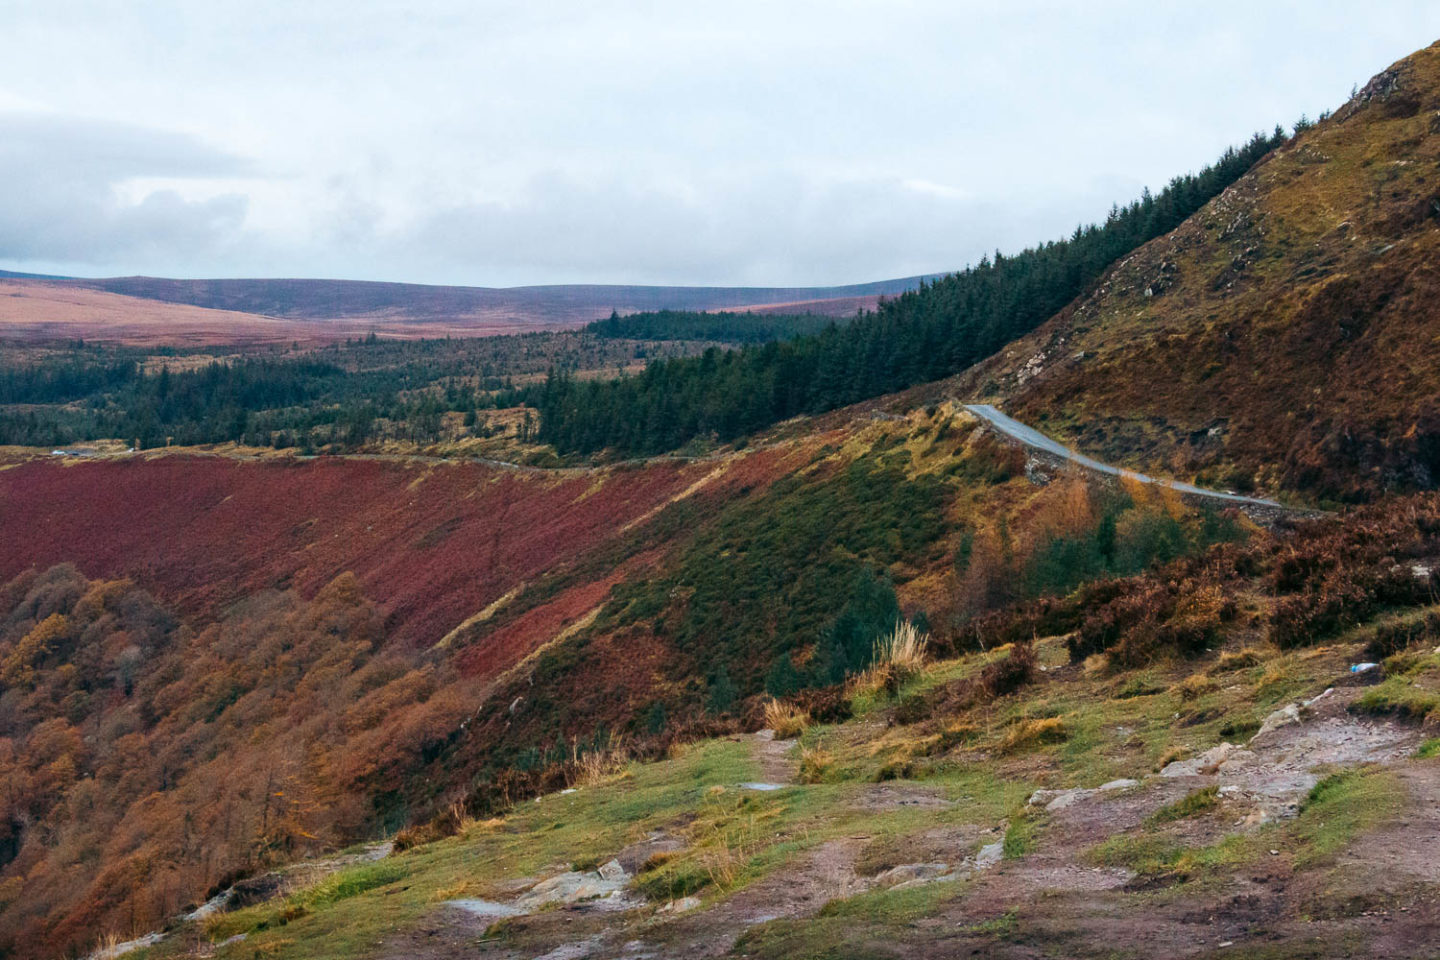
707,142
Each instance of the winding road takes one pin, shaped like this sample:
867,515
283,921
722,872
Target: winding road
1033,438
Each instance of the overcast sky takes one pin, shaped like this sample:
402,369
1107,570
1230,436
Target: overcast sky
683,141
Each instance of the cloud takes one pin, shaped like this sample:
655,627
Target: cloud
629,141
66,196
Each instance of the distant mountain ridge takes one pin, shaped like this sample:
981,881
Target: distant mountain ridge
555,303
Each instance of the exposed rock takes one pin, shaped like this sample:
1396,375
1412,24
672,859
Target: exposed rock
1209,762
908,873
1284,717
1053,800
681,905
989,855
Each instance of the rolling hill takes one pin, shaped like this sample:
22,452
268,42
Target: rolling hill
156,311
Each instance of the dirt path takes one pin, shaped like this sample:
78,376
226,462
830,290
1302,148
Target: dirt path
778,764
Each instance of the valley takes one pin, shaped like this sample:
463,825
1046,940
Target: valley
1082,603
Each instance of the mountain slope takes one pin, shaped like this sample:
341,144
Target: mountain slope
1287,336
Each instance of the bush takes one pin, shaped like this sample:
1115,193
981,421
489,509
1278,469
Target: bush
1010,674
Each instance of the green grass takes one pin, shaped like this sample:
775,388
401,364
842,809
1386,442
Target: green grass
1193,803
1430,748
1020,835
1398,698
1342,807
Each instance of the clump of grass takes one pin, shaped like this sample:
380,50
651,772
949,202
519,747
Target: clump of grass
1430,748
815,763
896,657
1194,802
1137,687
1019,836
671,881
1170,756
657,860
903,648
589,767
785,718
1398,698
896,770
1033,733
345,884
339,886
453,820
1194,687
1344,805
1001,926
1237,660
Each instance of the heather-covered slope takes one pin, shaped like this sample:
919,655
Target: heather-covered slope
432,542
1283,337
389,638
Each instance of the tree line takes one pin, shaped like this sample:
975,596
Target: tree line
722,326
930,333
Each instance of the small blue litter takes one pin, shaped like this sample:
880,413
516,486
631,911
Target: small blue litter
1362,667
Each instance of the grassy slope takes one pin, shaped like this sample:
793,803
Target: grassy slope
1283,336
738,841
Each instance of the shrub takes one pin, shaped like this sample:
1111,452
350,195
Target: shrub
1005,676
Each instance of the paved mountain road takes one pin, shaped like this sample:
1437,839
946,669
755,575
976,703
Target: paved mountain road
1033,438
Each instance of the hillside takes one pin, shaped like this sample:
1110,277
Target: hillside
501,623
1284,337
872,682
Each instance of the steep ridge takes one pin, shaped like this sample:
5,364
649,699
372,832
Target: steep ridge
1283,337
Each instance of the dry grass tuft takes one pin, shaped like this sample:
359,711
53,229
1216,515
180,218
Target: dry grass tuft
1194,686
903,648
786,719
590,767
1237,660
815,762
658,859
898,655
1034,733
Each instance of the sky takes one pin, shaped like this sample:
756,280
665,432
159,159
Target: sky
741,142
